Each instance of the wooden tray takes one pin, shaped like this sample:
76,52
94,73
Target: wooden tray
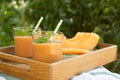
28,69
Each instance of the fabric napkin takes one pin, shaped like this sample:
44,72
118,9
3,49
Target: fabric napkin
2,78
8,77
100,73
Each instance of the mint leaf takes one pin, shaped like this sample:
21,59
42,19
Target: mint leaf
41,40
19,33
27,31
44,38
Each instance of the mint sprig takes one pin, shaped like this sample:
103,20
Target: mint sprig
27,31
19,33
41,40
44,38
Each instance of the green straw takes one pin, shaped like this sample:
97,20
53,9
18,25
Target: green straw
58,26
39,22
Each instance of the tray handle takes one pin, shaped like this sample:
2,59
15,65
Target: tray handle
7,60
29,63
20,66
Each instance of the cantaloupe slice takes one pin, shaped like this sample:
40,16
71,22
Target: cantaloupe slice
85,37
78,35
74,51
88,42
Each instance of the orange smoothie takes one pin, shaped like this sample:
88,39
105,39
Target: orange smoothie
23,46
47,52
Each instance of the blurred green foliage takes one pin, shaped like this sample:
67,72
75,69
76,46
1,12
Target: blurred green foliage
99,16
9,17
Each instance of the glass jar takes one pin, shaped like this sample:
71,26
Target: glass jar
47,46
23,41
